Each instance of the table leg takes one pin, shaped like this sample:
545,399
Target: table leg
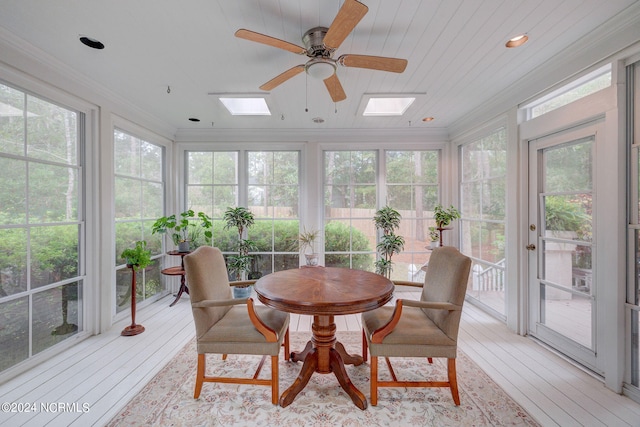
302,355
308,368
349,359
323,354
337,366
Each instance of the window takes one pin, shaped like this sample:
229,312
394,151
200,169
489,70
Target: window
41,225
579,88
411,186
350,202
482,200
139,201
273,198
271,193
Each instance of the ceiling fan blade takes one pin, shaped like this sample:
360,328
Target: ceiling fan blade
348,16
395,65
281,78
335,88
270,41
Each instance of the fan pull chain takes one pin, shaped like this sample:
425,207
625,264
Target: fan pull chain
306,93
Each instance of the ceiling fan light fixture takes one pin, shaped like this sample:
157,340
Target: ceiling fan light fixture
320,69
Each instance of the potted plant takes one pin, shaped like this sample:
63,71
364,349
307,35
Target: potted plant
443,217
387,219
185,229
306,240
434,237
239,265
137,259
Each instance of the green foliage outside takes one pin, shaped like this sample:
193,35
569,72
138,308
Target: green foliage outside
563,214
336,239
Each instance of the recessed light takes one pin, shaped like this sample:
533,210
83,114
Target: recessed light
194,119
92,43
517,41
428,119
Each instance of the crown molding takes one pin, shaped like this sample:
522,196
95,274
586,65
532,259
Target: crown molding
317,135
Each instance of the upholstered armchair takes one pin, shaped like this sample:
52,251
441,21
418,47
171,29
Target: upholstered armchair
425,328
225,325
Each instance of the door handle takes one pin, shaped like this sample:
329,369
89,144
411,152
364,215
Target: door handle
531,247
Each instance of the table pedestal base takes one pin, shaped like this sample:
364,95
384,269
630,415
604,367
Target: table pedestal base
324,354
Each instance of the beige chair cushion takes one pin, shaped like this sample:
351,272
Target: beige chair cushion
207,278
235,334
226,329
426,332
415,335
446,281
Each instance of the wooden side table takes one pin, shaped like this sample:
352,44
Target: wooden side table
178,271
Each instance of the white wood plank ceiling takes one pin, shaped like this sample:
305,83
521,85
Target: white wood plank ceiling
455,51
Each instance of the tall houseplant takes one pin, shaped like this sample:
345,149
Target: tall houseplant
388,220
185,229
443,217
239,265
137,259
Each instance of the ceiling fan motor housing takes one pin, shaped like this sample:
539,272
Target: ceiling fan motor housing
314,43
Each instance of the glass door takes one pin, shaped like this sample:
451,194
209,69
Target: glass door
562,287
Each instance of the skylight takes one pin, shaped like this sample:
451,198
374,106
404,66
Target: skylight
385,106
246,106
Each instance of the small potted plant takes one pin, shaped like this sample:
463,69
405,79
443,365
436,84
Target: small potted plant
137,259
387,219
239,265
434,237
443,217
185,229
306,240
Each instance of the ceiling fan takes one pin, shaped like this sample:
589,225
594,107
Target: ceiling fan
320,44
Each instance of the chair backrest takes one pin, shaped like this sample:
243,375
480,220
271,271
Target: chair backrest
207,278
446,281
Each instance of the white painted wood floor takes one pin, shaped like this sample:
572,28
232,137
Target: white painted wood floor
106,371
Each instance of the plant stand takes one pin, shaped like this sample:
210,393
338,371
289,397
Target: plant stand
133,329
441,229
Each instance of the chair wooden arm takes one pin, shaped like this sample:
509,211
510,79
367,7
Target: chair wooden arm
378,335
268,333
242,283
433,304
408,283
218,303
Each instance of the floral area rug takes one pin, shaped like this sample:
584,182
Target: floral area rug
168,398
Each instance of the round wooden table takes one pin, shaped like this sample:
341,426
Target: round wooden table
324,292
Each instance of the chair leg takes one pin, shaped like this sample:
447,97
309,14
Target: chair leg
274,379
374,380
453,382
365,349
199,375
